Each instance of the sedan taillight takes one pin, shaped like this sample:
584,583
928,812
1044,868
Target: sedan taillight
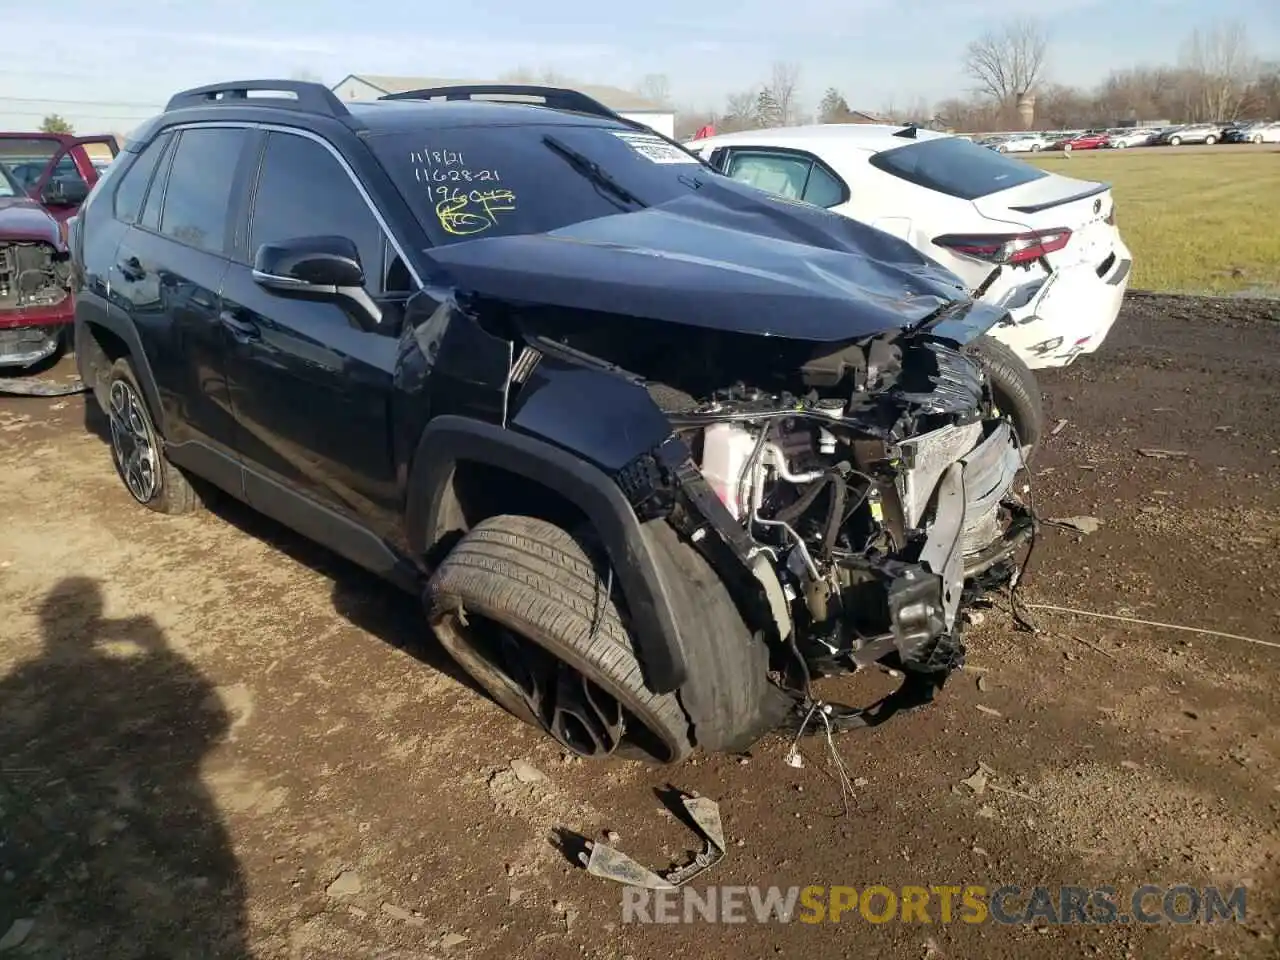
1007,248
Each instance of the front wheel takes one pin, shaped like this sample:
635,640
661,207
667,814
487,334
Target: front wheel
1175,141
1015,390
1036,148
1066,148
1210,140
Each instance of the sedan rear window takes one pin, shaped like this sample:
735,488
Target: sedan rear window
958,168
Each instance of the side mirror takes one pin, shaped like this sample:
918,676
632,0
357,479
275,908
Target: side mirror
323,267
64,192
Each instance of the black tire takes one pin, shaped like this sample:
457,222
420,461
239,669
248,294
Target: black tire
536,580
137,449
538,587
1015,389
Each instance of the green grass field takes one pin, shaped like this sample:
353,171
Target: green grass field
1197,221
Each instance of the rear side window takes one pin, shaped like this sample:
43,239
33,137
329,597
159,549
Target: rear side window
133,185
793,176
958,168
197,200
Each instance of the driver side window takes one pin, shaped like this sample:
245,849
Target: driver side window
303,191
793,176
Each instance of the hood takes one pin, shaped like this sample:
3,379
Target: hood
24,219
722,258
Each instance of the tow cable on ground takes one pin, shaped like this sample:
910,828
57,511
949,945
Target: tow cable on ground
25,387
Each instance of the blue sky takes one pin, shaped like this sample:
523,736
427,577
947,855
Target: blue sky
118,60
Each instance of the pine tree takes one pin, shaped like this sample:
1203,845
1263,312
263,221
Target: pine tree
833,108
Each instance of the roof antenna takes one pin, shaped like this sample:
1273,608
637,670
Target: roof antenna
909,131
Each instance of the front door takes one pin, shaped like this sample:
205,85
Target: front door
311,380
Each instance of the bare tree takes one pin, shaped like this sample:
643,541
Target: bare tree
1009,62
740,111
1224,65
655,87
782,91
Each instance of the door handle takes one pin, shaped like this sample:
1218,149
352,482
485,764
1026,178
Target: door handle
242,330
131,269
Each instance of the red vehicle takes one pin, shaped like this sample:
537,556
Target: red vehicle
44,177
1089,140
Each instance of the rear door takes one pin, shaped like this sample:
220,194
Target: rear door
311,380
168,271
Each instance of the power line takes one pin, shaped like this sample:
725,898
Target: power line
82,103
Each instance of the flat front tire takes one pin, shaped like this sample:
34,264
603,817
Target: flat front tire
1015,389
521,605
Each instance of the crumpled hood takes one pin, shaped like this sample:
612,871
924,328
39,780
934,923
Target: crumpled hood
24,219
724,258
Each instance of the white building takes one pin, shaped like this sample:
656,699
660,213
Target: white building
630,105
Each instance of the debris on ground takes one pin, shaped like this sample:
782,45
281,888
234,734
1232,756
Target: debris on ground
526,772
1057,428
452,940
34,387
403,915
1085,525
1156,454
605,861
992,711
346,884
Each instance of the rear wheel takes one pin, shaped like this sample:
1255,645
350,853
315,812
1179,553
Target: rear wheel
1210,140
1066,148
1257,138
1175,141
1015,389
1035,148
136,449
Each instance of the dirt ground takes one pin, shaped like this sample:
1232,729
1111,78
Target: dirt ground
204,722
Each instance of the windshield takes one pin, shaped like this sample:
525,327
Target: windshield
956,167
470,182
7,187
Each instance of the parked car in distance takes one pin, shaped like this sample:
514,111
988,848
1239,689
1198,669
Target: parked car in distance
1257,131
613,416
1124,138
1208,133
1088,140
1040,245
1023,143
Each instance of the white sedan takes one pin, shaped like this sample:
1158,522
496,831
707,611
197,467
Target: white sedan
1023,143
1136,137
1043,246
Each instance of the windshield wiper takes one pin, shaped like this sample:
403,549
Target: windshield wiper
593,171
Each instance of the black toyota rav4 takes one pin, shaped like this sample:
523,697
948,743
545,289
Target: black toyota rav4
655,447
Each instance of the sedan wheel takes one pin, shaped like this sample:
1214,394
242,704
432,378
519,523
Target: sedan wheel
1210,140
1175,141
1257,138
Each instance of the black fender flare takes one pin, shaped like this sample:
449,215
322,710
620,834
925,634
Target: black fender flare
631,548
124,329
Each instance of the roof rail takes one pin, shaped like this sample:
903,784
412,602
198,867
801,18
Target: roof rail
306,96
557,98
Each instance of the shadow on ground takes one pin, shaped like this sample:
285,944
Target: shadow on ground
111,845
359,597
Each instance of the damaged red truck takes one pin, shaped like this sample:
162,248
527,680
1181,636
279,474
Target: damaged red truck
44,178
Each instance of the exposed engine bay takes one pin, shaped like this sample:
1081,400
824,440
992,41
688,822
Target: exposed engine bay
871,507
32,274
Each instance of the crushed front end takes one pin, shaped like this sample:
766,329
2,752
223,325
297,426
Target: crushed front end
870,506
36,306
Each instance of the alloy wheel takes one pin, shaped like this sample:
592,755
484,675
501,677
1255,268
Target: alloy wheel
573,709
132,442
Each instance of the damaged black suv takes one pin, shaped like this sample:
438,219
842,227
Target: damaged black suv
656,447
